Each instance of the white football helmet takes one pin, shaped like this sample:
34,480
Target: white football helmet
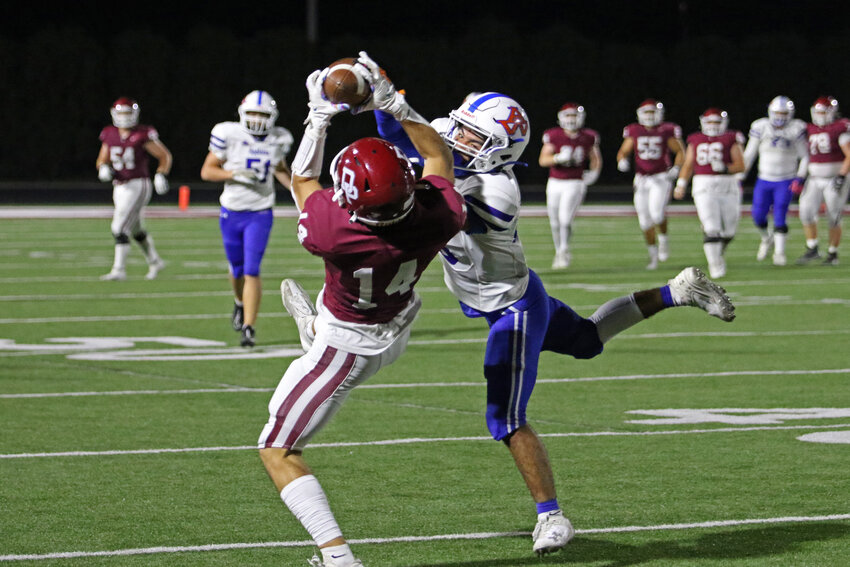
713,122
500,123
650,113
780,111
571,116
125,112
265,108
824,111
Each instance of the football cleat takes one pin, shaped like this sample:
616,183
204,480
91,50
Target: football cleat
154,268
561,260
551,533
248,336
316,562
692,287
653,263
809,255
114,276
779,259
297,303
831,259
238,317
765,247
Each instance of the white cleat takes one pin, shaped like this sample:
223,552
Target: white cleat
297,303
765,247
692,287
779,259
154,269
561,261
114,276
551,533
653,264
316,562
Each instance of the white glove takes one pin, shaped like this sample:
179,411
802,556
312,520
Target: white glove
564,157
623,165
244,176
104,173
673,173
160,184
589,176
384,96
321,109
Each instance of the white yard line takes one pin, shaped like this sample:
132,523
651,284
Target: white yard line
416,539
417,440
476,384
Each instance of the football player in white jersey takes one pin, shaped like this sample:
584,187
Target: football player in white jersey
485,268
248,156
779,143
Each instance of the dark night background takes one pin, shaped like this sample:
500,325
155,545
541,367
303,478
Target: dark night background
189,69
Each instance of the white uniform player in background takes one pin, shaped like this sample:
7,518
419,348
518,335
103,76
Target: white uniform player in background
248,156
829,164
779,143
713,156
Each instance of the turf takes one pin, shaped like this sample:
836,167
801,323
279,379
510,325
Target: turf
112,470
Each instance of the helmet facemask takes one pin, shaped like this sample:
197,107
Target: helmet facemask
257,113
125,113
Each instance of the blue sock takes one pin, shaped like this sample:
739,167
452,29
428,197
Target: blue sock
667,297
548,506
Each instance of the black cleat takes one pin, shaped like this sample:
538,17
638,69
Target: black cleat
809,255
831,259
238,317
247,336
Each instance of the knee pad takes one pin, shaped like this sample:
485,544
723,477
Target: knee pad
781,229
711,238
140,236
121,238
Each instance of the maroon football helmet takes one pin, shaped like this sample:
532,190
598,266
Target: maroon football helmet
374,180
713,122
650,113
571,116
824,111
125,112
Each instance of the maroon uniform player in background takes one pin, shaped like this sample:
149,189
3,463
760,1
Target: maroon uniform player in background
376,230
658,154
829,164
572,155
123,160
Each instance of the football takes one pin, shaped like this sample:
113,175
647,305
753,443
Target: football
343,85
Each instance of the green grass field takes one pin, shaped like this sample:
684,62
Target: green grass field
129,413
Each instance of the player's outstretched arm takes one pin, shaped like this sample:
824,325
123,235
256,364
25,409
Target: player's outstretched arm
307,164
430,145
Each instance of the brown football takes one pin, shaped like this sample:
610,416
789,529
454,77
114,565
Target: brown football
343,85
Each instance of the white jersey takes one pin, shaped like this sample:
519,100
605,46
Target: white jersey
783,153
487,270
237,149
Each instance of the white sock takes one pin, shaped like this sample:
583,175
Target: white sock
779,243
765,233
662,239
307,501
149,249
121,252
811,242
712,252
615,316
833,249
338,555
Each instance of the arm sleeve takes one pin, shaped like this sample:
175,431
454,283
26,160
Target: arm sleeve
391,130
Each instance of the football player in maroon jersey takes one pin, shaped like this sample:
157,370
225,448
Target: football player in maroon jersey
572,155
123,160
658,154
829,164
376,230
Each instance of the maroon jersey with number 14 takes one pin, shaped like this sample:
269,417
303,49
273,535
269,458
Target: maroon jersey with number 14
370,271
128,156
